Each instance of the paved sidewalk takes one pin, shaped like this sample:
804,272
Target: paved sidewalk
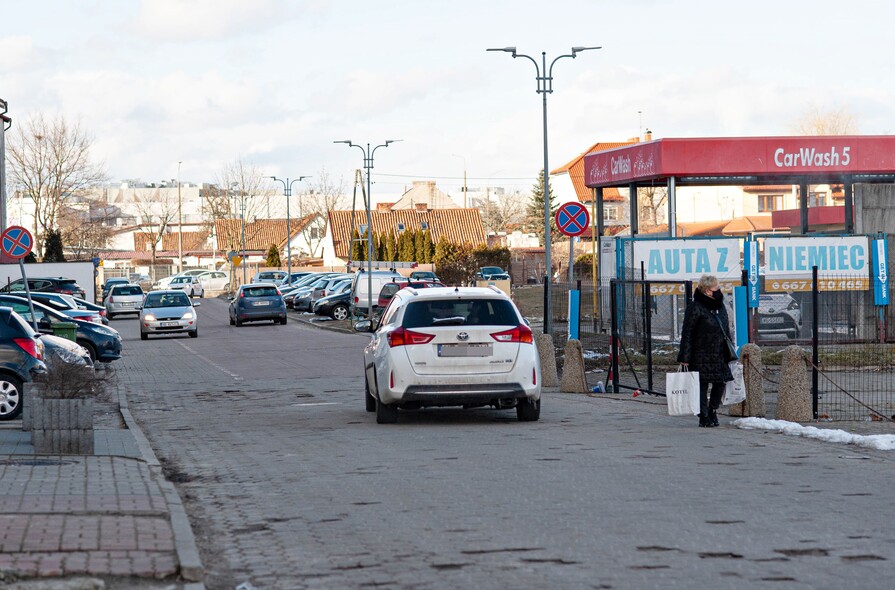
111,514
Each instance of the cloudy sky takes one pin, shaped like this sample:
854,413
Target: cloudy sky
274,82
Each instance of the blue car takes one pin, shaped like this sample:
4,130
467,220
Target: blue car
102,343
257,302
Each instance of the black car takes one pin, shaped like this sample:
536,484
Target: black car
21,360
103,343
491,273
335,306
47,285
257,301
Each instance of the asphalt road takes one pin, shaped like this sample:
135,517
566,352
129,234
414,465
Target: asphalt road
291,484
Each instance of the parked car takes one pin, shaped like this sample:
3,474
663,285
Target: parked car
86,305
107,286
460,346
189,284
140,278
304,298
166,282
424,275
64,304
389,289
102,342
21,360
168,312
269,276
337,306
362,293
47,285
779,313
214,280
64,350
254,302
491,273
289,279
125,298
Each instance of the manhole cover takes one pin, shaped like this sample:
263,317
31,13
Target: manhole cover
35,462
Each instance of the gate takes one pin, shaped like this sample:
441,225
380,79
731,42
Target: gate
645,334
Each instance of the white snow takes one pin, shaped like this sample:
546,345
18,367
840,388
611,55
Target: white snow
881,442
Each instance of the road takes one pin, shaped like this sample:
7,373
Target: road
289,483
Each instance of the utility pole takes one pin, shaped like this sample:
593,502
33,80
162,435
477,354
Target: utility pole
179,224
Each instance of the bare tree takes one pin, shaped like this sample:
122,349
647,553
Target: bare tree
503,211
248,188
50,158
651,201
832,122
157,211
88,228
323,195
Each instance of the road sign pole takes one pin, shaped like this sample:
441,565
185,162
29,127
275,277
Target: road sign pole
28,295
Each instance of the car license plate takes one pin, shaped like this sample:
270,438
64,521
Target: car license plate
260,303
170,324
464,350
772,320
127,304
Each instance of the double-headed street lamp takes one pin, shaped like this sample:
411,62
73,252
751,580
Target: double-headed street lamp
242,223
545,87
368,165
287,191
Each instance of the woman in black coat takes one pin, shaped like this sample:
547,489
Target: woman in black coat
704,346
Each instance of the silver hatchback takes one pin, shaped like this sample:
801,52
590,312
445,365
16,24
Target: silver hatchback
121,299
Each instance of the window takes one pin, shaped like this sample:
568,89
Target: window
610,213
424,226
818,199
400,227
315,233
770,203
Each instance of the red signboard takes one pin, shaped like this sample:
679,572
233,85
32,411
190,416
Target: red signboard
741,156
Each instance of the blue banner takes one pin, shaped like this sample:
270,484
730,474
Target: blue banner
740,317
574,305
751,262
880,272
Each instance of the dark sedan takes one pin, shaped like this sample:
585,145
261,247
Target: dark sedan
102,343
256,302
335,306
21,359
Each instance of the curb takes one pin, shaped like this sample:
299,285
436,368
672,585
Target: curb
300,317
191,568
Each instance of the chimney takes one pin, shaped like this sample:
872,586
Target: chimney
383,207
647,135
421,207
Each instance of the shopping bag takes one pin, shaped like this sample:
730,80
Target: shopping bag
682,393
735,391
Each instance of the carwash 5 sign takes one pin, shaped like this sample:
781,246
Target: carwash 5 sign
843,263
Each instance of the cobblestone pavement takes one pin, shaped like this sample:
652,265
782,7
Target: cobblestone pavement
289,483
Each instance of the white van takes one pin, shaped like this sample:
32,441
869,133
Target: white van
360,288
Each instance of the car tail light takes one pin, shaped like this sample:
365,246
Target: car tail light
405,337
520,334
111,300
31,346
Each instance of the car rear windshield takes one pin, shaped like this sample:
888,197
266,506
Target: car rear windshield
128,291
167,300
260,292
468,312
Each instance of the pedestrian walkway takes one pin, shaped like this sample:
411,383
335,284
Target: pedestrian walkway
109,514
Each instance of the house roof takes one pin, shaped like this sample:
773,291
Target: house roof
424,191
575,170
259,234
693,228
192,240
456,225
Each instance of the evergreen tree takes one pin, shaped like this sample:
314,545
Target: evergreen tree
534,213
391,247
273,256
357,249
53,247
405,246
429,248
30,258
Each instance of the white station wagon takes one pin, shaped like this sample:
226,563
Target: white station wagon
451,346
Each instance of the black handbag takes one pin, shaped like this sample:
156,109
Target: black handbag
730,351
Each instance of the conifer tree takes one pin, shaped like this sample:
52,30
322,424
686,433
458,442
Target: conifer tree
273,256
53,247
535,211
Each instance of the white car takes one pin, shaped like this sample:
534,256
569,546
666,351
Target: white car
214,280
168,312
165,283
189,285
779,313
451,346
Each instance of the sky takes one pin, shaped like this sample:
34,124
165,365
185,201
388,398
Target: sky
275,82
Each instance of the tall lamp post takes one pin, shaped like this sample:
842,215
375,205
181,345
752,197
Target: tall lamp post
179,224
242,223
368,165
544,77
287,191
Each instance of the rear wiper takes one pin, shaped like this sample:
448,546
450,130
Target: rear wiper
456,320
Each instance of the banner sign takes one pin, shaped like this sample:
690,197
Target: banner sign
843,263
750,255
880,272
688,259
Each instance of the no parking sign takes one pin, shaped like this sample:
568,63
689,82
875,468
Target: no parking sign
572,219
16,241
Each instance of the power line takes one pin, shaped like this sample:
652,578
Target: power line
458,178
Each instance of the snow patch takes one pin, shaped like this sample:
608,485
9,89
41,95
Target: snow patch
881,442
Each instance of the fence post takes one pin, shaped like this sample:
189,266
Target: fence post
547,304
815,337
613,337
648,334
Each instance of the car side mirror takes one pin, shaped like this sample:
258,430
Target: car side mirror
363,326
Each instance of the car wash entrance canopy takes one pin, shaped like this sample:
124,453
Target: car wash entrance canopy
803,161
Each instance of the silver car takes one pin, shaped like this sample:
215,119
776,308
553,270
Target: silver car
168,312
127,298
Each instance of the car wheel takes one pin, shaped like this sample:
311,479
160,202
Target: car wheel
528,411
238,322
386,414
144,336
232,322
194,333
368,397
339,312
10,396
111,316
91,350
283,321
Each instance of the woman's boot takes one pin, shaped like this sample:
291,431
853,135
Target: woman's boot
704,421
713,417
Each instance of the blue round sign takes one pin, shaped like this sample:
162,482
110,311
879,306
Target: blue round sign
572,219
16,241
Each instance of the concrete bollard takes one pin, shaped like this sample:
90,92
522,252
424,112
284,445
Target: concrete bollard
754,405
794,393
549,375
573,380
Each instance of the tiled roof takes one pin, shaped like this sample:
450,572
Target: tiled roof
260,234
575,170
692,228
457,225
192,240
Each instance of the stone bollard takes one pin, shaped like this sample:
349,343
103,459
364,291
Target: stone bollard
750,356
573,380
549,376
794,392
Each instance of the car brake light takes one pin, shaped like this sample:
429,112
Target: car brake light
520,334
111,300
405,337
356,299
31,346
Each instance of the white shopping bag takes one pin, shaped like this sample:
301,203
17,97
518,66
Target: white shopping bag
735,391
682,392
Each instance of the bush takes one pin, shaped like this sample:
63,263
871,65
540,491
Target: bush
70,381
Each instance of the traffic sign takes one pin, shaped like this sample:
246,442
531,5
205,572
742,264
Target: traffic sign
236,260
16,241
572,219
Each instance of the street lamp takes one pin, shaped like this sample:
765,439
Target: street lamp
242,220
287,191
544,77
368,165
179,224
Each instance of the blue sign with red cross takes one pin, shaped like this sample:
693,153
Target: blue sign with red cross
16,241
572,219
